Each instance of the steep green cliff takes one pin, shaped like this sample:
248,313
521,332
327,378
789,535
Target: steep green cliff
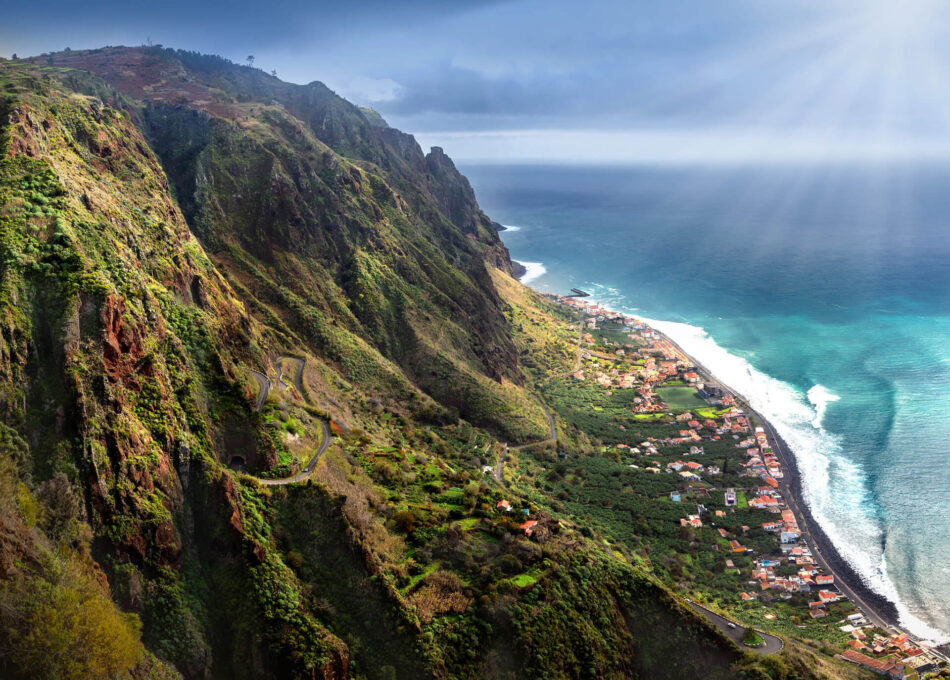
200,266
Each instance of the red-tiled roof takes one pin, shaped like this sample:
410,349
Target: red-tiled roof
878,665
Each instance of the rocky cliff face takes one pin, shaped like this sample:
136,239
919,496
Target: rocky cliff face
169,225
175,232
295,189
123,349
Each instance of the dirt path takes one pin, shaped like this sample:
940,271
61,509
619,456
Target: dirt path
498,473
552,430
580,343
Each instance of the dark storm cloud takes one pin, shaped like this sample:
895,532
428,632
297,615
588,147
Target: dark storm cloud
216,25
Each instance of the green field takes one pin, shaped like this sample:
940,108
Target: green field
681,398
711,412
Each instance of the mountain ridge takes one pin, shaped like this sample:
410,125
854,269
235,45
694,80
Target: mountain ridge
170,225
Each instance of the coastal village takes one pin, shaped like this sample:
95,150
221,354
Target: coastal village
732,488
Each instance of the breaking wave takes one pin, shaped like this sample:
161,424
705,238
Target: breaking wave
833,486
533,270
820,396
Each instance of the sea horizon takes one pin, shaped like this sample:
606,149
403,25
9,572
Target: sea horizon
770,279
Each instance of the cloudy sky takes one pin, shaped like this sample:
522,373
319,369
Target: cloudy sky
671,81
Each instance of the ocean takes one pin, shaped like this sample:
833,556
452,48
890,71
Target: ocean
821,293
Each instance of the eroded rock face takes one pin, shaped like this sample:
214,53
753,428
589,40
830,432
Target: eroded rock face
17,549
129,359
122,351
337,667
28,140
453,191
116,333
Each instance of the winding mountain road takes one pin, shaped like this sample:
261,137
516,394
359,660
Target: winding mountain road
325,439
736,631
263,389
298,376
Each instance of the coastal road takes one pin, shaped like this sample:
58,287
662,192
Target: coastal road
773,644
788,493
778,445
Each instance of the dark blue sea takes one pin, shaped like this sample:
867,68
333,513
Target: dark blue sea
821,293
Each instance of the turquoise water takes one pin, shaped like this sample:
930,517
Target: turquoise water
820,293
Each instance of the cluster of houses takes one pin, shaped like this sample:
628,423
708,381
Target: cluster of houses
654,360
641,371
896,655
692,521
595,313
761,461
786,525
690,470
807,580
651,361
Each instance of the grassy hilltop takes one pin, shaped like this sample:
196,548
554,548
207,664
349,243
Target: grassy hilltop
174,231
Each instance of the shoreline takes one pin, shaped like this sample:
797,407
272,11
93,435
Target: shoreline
526,272
518,270
880,610
825,551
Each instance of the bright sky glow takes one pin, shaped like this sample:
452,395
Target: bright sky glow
507,80
868,82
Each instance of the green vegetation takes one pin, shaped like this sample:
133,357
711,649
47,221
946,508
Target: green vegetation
56,618
751,638
681,398
63,625
600,416
603,485
170,227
